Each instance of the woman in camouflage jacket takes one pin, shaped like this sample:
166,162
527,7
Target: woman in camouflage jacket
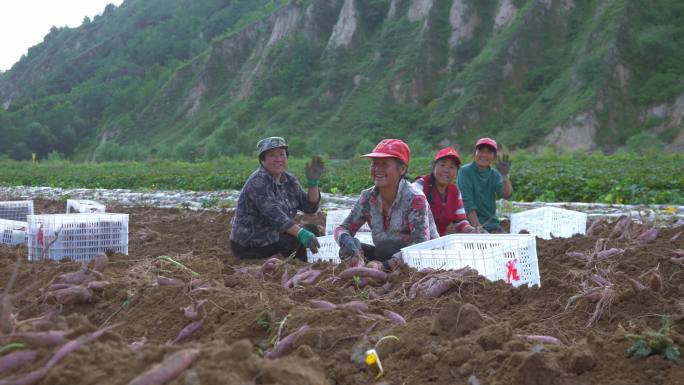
264,225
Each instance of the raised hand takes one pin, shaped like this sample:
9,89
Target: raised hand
313,170
504,164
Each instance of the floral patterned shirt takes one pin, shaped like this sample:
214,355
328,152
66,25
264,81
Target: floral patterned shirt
407,219
267,207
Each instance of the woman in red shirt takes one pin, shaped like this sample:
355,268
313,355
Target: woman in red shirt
442,194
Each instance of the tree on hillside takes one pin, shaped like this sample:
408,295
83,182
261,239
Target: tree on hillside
41,140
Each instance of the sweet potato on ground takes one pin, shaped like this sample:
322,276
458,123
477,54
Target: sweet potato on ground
44,339
195,311
69,347
73,295
363,272
394,317
167,370
286,343
16,360
188,331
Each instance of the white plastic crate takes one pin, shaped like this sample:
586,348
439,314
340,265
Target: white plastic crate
548,222
13,232
81,236
510,257
330,251
334,218
16,210
84,206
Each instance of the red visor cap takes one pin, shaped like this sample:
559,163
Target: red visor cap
448,151
489,142
391,148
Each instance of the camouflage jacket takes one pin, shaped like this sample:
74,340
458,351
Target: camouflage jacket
407,219
266,208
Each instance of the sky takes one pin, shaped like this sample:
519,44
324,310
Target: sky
24,23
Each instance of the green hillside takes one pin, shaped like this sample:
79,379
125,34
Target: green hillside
190,80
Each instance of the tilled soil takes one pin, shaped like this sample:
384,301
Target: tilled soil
473,333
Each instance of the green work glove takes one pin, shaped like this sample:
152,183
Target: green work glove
308,240
313,171
503,164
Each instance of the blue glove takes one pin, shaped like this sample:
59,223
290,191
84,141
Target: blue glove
349,247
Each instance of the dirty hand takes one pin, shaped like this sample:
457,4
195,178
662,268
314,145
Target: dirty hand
503,164
394,261
349,246
313,171
308,240
451,228
481,230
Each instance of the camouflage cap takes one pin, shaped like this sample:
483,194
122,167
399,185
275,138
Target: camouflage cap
269,143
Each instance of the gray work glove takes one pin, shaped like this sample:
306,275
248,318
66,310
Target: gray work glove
503,164
313,171
349,247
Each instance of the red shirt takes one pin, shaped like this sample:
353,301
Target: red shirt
445,212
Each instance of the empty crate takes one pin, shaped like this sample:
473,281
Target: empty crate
334,218
508,257
330,251
76,236
13,232
84,206
16,210
548,222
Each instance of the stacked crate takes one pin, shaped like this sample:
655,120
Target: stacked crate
16,210
549,222
76,236
13,232
84,206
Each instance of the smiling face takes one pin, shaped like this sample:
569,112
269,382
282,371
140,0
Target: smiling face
484,156
386,172
275,161
445,171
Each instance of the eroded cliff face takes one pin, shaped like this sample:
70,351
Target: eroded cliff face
238,63
419,9
667,116
505,14
346,27
463,20
577,134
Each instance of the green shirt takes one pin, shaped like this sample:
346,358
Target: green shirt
480,189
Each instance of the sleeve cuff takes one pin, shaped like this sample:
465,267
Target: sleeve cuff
286,226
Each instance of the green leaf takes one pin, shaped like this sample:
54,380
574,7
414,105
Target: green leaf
13,346
639,349
672,353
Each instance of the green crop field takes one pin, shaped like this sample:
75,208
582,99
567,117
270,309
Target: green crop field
628,179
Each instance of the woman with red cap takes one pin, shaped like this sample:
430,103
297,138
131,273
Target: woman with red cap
442,194
481,184
396,212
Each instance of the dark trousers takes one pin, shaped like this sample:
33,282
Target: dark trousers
383,251
286,245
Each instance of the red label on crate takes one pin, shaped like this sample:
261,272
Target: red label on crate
512,271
